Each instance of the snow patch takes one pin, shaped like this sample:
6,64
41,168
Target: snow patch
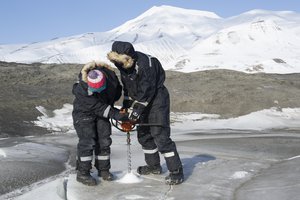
2,153
239,175
133,197
59,120
292,158
272,118
130,178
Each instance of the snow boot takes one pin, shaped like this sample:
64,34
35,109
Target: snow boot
106,175
175,177
83,173
144,170
86,178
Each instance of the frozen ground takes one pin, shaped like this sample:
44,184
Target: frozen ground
234,166
218,164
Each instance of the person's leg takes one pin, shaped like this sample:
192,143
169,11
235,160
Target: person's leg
168,149
102,150
150,152
86,133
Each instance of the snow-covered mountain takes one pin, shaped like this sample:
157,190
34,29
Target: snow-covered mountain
184,40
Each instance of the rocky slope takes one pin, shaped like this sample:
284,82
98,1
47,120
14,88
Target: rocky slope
224,92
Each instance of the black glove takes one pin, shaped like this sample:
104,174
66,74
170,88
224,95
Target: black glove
126,104
136,112
134,116
117,115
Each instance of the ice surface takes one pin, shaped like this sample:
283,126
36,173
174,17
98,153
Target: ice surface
218,164
33,152
114,190
242,166
280,181
26,163
46,192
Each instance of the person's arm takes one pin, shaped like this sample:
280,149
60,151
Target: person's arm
101,109
95,106
127,101
108,111
118,91
146,91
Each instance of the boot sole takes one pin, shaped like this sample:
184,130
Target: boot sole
153,172
108,179
149,173
85,183
172,182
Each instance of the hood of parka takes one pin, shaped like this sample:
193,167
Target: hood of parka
90,66
122,53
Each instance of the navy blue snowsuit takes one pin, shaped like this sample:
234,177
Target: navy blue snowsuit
143,79
90,117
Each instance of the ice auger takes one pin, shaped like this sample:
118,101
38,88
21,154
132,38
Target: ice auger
125,127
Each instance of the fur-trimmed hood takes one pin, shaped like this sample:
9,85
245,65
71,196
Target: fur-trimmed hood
90,66
123,53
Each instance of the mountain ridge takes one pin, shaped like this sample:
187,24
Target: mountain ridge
184,40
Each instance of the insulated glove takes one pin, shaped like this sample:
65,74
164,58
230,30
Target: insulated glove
134,116
117,115
136,112
127,103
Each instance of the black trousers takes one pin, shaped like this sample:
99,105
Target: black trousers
156,139
94,139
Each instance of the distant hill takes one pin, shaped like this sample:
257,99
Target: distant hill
224,92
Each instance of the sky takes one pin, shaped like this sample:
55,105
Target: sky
27,21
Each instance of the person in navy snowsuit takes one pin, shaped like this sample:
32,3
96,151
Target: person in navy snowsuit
148,102
95,93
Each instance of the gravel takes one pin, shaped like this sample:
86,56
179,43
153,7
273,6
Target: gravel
224,92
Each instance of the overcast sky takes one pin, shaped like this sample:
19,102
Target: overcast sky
26,21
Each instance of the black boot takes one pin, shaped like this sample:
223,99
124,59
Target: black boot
103,167
106,175
144,170
86,178
176,177
83,173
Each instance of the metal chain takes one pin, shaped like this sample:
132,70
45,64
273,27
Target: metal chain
128,152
